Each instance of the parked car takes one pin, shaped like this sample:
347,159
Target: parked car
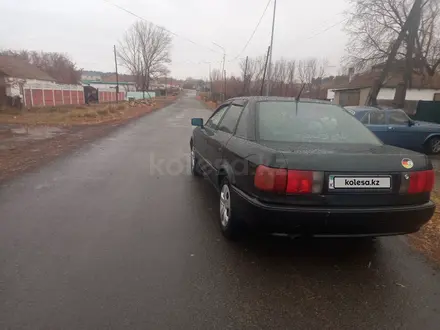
308,167
394,127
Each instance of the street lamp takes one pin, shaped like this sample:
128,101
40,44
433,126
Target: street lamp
223,69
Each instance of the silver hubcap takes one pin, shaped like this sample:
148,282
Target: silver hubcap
225,205
435,146
193,158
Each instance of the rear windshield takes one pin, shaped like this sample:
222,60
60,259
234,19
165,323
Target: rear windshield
286,121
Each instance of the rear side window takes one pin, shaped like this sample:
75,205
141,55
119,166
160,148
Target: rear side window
229,121
242,127
398,118
366,119
374,118
377,118
288,121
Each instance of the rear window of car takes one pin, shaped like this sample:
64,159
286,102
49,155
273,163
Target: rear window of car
288,121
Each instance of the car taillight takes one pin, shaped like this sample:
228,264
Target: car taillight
270,179
304,182
288,181
422,181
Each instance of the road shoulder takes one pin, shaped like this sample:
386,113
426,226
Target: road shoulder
25,148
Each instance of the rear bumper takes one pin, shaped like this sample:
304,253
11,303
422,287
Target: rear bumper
325,221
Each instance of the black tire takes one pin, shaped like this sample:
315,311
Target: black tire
232,228
433,145
195,168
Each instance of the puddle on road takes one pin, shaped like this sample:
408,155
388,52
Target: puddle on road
36,133
17,134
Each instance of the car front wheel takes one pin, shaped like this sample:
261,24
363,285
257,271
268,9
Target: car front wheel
230,224
434,145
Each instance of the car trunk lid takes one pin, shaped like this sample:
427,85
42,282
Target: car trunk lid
344,164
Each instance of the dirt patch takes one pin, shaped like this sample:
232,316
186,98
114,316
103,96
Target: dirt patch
427,240
22,151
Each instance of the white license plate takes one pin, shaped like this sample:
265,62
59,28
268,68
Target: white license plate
357,182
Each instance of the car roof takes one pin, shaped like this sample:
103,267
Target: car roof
371,108
277,98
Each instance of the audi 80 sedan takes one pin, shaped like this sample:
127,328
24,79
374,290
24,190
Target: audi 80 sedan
308,167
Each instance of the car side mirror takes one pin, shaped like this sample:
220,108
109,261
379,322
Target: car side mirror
411,123
197,122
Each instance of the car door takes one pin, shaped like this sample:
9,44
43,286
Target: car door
375,120
218,141
240,146
207,132
403,135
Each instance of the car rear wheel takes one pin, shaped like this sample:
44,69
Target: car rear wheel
230,224
195,168
434,145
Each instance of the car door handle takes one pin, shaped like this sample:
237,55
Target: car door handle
390,127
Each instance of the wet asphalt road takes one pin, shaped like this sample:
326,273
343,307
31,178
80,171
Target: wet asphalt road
102,239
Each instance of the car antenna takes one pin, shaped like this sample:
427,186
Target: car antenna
297,98
300,92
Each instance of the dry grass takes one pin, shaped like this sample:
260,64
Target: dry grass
76,115
427,239
80,114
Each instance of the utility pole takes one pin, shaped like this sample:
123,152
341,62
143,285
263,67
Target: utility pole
165,85
245,74
223,69
264,72
400,95
210,82
374,91
224,73
269,69
117,76
224,88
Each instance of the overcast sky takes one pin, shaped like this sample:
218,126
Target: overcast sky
88,29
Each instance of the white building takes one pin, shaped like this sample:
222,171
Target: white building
356,90
91,75
22,83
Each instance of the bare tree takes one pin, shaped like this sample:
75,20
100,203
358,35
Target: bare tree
144,51
57,65
311,71
375,25
216,75
248,73
291,71
279,77
428,39
307,70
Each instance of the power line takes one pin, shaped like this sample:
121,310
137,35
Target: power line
160,27
255,30
307,38
326,29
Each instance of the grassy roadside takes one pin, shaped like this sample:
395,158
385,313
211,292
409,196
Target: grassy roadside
427,240
80,115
